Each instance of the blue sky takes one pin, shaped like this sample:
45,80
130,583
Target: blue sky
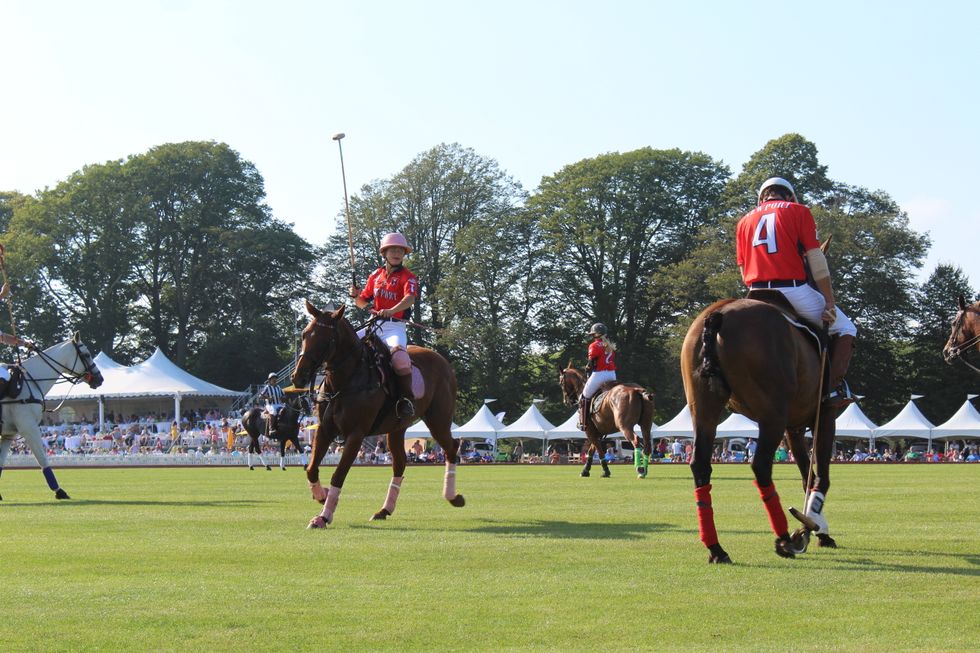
888,91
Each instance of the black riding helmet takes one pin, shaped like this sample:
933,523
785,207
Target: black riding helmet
598,329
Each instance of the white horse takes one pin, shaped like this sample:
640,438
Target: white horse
69,360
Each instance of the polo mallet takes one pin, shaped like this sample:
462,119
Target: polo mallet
10,302
350,232
801,516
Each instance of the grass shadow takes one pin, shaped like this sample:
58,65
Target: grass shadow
227,503
553,529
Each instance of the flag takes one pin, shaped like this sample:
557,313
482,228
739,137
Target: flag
914,397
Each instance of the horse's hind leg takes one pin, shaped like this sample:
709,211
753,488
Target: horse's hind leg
770,435
821,482
396,449
5,443
705,417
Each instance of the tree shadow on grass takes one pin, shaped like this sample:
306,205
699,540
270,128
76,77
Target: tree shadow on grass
227,503
557,529
841,560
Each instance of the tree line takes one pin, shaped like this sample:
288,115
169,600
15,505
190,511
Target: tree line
176,249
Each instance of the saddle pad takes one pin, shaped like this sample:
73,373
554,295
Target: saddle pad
597,400
418,383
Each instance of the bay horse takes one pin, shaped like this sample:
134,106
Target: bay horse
624,406
287,428
744,353
965,334
353,404
21,415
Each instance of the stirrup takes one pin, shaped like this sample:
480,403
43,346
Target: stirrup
840,396
404,408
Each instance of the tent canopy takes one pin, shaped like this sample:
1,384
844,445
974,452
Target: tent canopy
735,426
679,427
965,423
854,423
157,376
909,423
532,424
567,430
481,425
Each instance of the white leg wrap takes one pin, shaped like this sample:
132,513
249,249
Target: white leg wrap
449,483
393,489
330,506
814,510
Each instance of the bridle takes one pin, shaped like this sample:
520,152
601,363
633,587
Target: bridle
329,360
61,371
953,353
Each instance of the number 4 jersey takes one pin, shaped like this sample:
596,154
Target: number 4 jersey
769,240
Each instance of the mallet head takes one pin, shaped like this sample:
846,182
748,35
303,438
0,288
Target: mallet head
338,136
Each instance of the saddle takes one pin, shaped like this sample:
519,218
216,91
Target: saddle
815,335
600,395
16,382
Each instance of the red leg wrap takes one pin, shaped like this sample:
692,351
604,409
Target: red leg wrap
706,515
777,517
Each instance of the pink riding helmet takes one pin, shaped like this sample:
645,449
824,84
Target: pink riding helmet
394,240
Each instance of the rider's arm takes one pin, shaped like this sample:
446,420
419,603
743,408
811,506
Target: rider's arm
406,302
821,277
14,341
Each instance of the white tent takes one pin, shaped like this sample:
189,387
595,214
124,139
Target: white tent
909,423
853,423
679,427
420,430
531,424
482,425
567,430
965,423
736,426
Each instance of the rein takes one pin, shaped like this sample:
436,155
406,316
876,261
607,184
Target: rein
958,352
62,373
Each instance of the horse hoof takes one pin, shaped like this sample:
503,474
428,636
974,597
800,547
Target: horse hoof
251,469
824,540
283,469
606,474
784,547
457,501
381,515
585,474
721,559
268,469
801,540
317,522
61,494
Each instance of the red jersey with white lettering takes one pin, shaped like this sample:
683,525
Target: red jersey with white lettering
769,238
605,359
388,289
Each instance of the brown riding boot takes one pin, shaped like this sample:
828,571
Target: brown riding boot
404,407
841,350
583,412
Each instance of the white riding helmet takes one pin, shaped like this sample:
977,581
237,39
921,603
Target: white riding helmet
777,181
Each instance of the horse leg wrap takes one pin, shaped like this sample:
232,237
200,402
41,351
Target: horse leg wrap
393,489
777,518
637,458
814,510
706,516
49,477
330,506
319,494
449,483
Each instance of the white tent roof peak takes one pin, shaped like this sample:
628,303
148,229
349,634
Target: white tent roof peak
965,423
481,425
532,424
909,423
854,423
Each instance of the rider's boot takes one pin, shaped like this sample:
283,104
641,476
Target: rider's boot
583,412
404,407
841,350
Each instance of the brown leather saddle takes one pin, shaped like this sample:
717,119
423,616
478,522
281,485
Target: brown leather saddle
816,335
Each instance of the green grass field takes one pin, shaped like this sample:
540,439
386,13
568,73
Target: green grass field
539,559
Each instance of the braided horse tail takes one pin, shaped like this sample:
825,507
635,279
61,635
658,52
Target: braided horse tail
710,367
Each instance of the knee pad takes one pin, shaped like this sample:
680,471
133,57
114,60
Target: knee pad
401,361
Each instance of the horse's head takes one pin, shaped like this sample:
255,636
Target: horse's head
88,371
571,382
965,334
326,334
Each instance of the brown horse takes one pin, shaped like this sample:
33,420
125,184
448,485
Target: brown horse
965,335
744,353
624,406
353,404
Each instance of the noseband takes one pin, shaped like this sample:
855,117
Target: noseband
958,351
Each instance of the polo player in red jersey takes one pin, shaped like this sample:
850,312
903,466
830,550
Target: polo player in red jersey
392,289
772,241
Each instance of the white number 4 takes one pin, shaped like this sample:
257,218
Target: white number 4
766,224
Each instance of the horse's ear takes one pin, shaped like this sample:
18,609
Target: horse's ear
76,337
339,313
311,309
569,366
962,303
826,244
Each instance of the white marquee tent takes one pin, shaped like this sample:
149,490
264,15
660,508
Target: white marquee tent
567,430
736,425
483,425
853,423
680,426
532,424
909,423
965,423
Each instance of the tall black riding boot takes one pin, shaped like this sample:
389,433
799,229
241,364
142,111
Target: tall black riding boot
841,350
404,407
583,412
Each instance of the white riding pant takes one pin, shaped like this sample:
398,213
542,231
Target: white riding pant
392,333
809,303
595,380
272,409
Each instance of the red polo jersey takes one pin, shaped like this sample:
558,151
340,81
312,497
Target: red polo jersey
605,359
387,290
768,241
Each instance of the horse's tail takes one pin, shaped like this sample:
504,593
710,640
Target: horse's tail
710,367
